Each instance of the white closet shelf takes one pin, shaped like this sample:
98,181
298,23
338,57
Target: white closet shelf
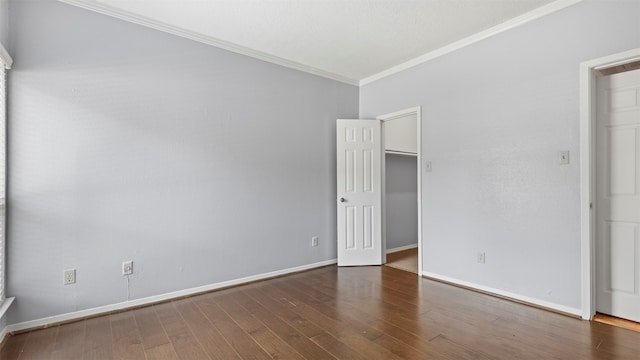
395,152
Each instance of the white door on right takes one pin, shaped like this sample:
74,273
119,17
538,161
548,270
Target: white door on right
618,195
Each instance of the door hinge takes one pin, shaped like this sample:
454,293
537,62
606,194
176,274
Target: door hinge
590,205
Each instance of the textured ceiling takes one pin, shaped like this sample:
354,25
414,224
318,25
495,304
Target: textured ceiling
350,40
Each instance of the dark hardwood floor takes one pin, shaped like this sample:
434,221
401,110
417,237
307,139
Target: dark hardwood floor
326,313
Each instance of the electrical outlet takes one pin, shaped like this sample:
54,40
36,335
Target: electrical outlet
481,258
314,241
69,276
127,267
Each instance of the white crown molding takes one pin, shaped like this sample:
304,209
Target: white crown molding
158,25
5,57
510,24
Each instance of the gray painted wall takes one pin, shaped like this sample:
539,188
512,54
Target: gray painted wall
401,200
4,23
127,143
494,116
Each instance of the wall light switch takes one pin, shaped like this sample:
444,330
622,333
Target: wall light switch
564,157
427,166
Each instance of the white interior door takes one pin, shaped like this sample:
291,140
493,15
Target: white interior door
618,195
359,178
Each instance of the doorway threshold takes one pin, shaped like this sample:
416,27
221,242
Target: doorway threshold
406,260
617,322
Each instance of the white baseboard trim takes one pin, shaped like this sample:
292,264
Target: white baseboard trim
402,248
508,295
3,335
3,310
62,318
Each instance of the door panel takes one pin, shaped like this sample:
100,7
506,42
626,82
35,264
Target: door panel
618,195
359,185
623,245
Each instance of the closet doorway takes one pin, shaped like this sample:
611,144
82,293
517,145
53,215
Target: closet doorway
402,183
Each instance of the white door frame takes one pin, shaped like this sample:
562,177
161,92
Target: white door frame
588,99
398,114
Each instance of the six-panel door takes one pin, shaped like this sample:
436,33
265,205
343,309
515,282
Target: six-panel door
618,195
359,190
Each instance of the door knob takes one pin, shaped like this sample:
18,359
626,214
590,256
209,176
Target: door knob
343,200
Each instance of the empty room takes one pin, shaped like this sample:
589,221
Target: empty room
320,179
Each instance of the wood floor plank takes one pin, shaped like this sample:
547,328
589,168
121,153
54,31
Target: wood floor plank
359,289
341,317
341,330
328,313
280,309
180,335
212,341
150,328
70,341
271,343
40,344
373,304
285,330
236,337
161,352
337,348
98,342
395,327
387,324
14,346
127,343
480,336
344,316
450,349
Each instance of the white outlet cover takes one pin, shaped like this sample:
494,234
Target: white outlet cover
69,277
127,267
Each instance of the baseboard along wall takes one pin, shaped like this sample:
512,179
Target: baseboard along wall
126,305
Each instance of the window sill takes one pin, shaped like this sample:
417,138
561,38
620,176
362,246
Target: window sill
5,305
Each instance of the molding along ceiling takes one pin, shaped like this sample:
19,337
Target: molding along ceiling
352,41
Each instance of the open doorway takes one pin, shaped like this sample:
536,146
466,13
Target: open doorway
402,179
617,219
596,193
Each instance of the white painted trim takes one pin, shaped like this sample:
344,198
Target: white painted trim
5,305
418,113
3,334
510,24
506,294
44,322
209,40
3,310
587,168
396,152
158,25
5,57
401,248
